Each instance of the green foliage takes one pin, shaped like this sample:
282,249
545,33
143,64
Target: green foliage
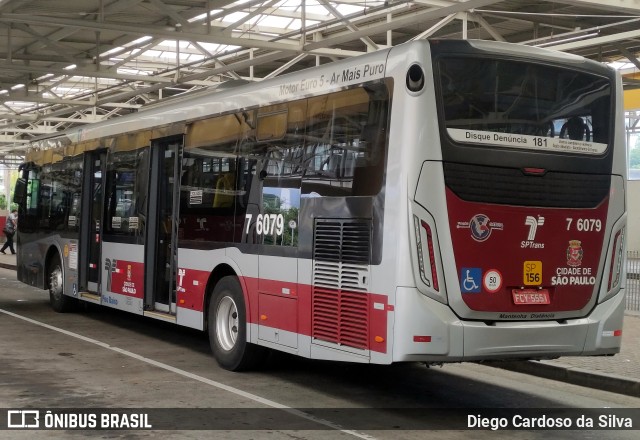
3,201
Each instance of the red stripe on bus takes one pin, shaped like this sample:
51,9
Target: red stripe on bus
286,305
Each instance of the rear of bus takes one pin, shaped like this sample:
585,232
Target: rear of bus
519,215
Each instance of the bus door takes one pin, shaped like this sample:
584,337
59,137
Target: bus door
92,221
162,231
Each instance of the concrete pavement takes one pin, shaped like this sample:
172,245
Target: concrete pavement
8,261
618,374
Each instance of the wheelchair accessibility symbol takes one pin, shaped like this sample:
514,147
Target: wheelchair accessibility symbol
471,280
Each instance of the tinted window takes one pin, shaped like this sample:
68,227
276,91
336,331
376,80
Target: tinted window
208,189
58,196
481,95
345,142
127,180
245,174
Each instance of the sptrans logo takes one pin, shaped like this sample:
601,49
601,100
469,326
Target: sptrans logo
533,223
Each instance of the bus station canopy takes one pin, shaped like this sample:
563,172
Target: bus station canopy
66,62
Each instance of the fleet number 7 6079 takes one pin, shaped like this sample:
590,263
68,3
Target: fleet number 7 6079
585,224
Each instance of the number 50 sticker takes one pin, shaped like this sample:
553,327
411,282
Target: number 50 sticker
492,280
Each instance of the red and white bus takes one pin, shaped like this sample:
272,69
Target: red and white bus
437,201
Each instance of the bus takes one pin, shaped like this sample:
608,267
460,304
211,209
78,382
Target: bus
438,201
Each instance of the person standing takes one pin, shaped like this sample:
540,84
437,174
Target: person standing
9,231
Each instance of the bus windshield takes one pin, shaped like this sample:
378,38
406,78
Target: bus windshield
524,105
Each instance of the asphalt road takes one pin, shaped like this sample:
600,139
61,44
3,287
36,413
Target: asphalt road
100,360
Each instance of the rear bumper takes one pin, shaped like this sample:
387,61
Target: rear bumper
433,333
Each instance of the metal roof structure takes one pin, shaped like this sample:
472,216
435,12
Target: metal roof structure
70,62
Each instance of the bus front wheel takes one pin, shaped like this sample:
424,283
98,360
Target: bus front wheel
227,325
59,301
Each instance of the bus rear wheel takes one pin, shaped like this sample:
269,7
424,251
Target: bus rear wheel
227,325
59,301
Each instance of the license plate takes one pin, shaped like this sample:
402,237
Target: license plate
530,296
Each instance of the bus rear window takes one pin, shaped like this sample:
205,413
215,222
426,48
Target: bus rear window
524,105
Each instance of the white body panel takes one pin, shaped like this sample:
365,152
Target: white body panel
419,321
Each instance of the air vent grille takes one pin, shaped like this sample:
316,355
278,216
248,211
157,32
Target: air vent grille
340,282
342,241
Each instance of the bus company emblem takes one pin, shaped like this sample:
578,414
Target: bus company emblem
574,253
533,224
480,226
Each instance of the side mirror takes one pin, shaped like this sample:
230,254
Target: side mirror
20,192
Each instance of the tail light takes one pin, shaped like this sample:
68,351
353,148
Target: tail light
424,234
615,269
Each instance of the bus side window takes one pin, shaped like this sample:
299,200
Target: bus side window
207,196
33,193
126,193
29,207
346,142
224,194
45,195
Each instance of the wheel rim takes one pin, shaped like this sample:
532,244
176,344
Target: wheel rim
55,282
227,323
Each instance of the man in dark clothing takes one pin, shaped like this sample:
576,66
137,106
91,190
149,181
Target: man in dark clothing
9,231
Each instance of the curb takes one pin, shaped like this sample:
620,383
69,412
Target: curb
8,266
573,375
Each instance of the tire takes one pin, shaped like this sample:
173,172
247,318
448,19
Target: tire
227,325
60,302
